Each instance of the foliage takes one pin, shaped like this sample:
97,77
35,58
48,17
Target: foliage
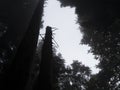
75,77
100,25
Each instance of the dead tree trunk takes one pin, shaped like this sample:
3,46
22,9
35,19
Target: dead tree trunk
44,78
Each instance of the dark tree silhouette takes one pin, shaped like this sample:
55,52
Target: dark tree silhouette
75,77
20,22
19,29
58,68
34,71
45,74
100,24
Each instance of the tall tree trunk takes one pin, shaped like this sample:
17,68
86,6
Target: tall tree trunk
21,38
44,78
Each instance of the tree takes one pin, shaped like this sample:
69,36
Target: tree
57,67
45,72
18,40
100,24
75,77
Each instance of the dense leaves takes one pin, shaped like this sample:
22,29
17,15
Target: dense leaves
75,77
100,24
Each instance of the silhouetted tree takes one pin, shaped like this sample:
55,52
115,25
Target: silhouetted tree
35,66
75,77
45,72
20,22
100,24
58,68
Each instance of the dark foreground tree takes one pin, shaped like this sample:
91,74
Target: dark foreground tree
20,22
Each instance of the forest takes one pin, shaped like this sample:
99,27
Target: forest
26,64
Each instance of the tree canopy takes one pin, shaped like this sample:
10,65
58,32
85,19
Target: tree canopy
100,24
75,77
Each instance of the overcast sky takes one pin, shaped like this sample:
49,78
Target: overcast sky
68,35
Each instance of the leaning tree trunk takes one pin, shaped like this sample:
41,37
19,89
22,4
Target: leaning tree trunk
19,29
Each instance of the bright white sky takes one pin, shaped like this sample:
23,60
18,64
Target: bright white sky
68,35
